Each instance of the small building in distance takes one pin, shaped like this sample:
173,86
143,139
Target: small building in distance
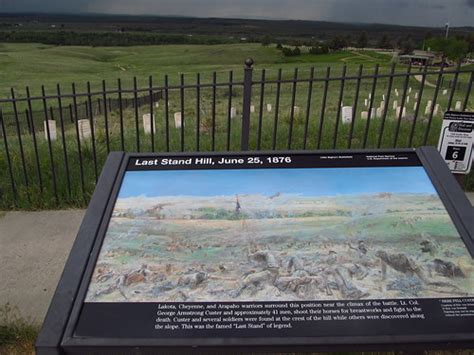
419,57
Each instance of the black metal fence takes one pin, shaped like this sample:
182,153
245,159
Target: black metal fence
54,144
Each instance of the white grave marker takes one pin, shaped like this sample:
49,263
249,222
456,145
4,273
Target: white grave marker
347,114
296,110
364,115
395,104
373,112
436,109
252,108
366,102
404,112
445,92
178,119
269,107
157,104
379,112
458,106
52,129
233,112
147,123
84,128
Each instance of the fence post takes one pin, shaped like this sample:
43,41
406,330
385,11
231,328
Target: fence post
248,71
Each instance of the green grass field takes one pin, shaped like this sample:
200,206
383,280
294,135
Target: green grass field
35,65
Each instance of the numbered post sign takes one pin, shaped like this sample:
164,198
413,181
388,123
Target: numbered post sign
455,142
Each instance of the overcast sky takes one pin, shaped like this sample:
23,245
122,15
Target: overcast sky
404,12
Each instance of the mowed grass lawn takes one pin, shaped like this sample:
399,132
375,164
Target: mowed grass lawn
36,65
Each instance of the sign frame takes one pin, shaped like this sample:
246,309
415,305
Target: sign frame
56,336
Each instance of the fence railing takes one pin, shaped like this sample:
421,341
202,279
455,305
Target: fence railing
54,144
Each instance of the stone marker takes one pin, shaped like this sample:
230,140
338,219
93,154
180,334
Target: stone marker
373,113
366,102
252,108
84,128
404,112
409,90
436,109
414,106
383,97
157,104
370,96
379,112
52,130
408,99
364,115
395,104
347,114
458,106
296,110
445,92
269,107
147,123
382,104
427,109
178,119
416,95
233,112
429,103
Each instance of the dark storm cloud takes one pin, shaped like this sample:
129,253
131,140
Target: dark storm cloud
404,12
45,5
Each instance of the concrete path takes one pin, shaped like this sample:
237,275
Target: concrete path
33,249
427,83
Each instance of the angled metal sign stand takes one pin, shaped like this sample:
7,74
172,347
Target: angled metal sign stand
284,251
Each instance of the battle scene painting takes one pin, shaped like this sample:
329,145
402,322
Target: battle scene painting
280,235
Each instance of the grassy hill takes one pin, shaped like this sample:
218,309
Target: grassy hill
38,64
35,65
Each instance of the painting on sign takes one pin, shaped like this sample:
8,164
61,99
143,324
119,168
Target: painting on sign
280,235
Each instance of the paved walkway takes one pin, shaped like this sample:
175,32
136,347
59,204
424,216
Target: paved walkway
427,83
33,249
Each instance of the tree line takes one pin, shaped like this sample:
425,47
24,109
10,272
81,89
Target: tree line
105,39
455,48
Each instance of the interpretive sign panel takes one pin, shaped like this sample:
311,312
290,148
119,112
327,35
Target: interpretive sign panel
338,249
456,139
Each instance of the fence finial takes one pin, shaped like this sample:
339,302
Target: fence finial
249,62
